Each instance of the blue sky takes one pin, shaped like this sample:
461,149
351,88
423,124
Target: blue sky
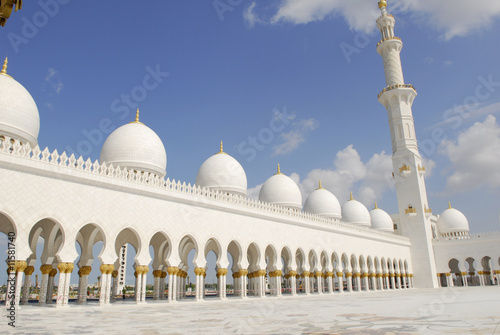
223,70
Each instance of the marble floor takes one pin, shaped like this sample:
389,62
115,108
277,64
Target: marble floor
473,310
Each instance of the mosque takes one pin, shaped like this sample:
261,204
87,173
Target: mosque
276,245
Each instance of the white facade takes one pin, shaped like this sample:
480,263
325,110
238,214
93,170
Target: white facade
274,244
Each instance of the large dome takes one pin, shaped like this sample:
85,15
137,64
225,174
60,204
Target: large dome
356,213
381,220
222,172
19,118
322,202
452,221
135,146
281,190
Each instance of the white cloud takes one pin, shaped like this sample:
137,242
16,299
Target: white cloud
367,181
450,17
475,156
295,137
253,193
54,81
250,17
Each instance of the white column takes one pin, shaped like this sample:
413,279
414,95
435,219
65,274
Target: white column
144,282
221,283
82,288
50,286
65,270
46,268
27,284
340,281
172,270
83,283
21,265
449,279
243,282
307,282
103,286
138,285
348,278
329,279
157,284
162,285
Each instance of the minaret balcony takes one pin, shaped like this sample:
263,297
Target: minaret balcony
411,211
392,38
405,170
393,87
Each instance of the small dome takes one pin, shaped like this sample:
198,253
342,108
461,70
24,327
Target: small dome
322,202
356,213
19,118
135,146
381,220
281,190
222,172
452,221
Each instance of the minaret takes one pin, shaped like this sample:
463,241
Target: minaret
397,97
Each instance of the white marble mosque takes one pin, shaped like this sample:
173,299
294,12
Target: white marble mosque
278,244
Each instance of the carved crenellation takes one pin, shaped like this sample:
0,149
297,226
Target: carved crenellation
15,148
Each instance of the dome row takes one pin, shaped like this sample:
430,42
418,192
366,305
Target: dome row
137,147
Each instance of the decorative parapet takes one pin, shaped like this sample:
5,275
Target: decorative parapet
388,39
146,179
470,237
392,87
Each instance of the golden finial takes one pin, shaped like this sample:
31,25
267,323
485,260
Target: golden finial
449,205
137,117
376,205
221,149
351,197
4,67
319,188
382,4
279,170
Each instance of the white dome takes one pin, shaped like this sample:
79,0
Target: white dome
356,213
452,221
137,147
381,220
322,202
222,172
281,190
19,118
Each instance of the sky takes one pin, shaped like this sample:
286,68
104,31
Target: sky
206,71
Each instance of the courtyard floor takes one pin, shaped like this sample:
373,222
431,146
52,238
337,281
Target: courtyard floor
473,310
